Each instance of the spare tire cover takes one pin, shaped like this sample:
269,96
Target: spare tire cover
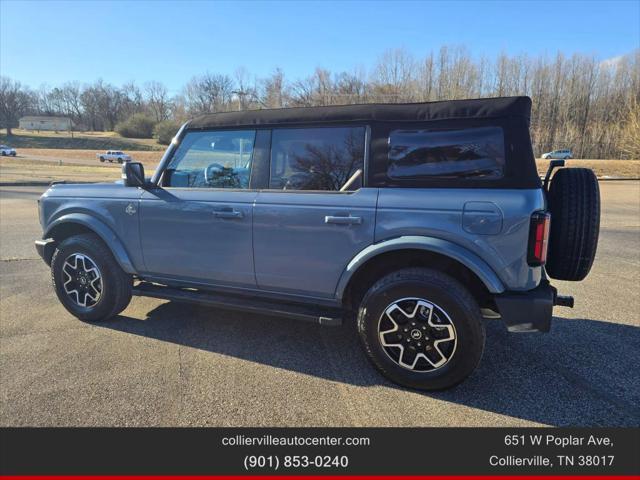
574,203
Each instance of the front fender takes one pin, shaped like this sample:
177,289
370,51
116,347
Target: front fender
103,231
469,259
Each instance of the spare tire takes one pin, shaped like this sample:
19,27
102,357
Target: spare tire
574,203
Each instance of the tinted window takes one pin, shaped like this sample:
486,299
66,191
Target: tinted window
316,158
212,160
470,152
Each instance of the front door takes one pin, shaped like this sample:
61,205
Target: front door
197,226
306,230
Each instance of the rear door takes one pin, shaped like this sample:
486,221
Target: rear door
305,229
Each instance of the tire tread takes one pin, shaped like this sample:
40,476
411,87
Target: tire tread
574,201
455,289
121,284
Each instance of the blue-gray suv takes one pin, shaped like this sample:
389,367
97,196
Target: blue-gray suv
415,220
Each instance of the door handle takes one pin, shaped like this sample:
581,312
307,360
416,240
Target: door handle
341,220
227,213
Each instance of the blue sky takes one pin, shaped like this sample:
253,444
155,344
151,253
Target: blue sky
51,42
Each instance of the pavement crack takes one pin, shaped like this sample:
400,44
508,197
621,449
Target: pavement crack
181,383
18,259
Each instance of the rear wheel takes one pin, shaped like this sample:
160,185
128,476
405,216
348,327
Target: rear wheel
574,203
102,159
421,329
87,279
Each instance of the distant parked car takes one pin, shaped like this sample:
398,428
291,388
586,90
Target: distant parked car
561,154
5,150
113,156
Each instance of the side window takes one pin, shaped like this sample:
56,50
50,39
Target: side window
325,158
470,152
220,159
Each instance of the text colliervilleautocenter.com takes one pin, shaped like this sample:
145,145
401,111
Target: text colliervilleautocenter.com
294,441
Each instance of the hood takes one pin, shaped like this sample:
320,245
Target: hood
93,190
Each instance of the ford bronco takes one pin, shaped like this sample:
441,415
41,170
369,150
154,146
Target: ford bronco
417,221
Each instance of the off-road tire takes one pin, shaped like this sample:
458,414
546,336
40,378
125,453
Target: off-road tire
120,160
116,284
102,159
441,290
574,203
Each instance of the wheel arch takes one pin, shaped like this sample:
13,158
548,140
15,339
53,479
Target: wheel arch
78,223
382,258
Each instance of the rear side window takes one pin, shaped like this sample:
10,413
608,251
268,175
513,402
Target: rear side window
317,158
463,153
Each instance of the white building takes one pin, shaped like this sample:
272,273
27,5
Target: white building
42,122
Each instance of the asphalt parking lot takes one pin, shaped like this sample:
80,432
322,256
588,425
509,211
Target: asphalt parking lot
166,364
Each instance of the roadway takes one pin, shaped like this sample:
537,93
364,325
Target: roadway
166,364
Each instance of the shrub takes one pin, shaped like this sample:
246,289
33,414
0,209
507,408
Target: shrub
138,125
165,131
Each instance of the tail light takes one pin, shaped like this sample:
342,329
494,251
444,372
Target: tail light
538,238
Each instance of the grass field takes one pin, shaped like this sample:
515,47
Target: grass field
84,155
79,141
20,170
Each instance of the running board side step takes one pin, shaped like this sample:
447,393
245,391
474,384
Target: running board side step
324,316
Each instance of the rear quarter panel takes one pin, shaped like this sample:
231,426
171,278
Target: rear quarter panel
492,223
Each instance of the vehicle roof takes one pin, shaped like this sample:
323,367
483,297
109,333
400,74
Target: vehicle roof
499,107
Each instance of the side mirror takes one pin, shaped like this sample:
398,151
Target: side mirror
133,174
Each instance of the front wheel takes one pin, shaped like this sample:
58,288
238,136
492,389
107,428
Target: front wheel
87,279
421,329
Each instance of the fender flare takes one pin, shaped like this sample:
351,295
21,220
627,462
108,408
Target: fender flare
107,235
436,245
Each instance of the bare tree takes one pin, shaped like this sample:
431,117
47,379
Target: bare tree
246,90
158,100
350,87
15,100
630,134
273,93
393,76
208,93
131,100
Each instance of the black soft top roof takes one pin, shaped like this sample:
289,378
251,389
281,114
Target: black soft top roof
501,107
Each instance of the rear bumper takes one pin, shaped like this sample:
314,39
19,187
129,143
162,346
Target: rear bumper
530,311
45,249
